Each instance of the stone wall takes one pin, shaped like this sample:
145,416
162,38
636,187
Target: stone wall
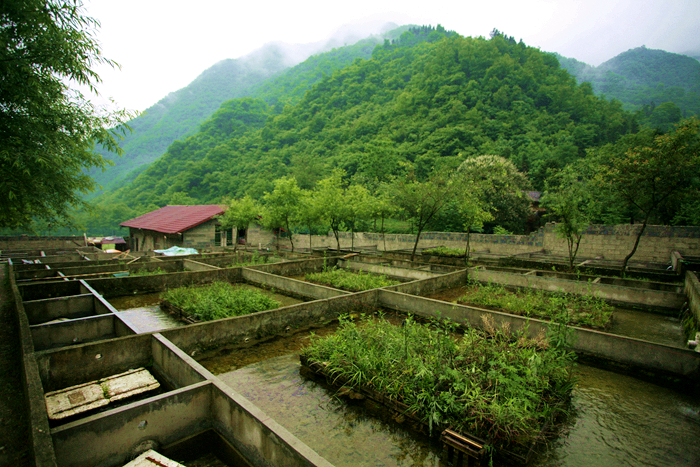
200,237
599,241
614,242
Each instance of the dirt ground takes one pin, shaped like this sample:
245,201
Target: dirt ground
14,425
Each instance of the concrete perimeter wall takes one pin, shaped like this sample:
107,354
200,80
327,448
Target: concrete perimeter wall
611,242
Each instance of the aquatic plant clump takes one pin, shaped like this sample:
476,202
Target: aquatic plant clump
218,300
495,385
445,251
346,280
582,310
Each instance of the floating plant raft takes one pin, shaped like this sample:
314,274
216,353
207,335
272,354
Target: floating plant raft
216,301
492,385
95,394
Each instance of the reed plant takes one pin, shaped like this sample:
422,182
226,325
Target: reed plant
580,310
218,300
351,281
495,384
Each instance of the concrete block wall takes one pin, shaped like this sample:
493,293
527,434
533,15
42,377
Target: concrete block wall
603,241
614,242
200,237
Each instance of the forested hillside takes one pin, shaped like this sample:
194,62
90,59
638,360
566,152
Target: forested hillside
661,87
265,73
426,101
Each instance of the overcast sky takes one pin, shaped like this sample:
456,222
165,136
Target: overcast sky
163,45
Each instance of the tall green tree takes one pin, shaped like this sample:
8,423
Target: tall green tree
359,208
283,207
569,199
48,129
309,213
502,185
330,200
473,209
239,214
645,176
420,202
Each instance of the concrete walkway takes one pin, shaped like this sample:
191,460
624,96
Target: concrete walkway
14,426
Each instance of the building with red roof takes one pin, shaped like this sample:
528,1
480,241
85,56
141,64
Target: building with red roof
183,226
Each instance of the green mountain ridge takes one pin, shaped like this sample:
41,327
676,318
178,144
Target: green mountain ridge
180,113
427,100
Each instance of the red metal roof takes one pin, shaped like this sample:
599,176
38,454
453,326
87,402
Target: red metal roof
175,219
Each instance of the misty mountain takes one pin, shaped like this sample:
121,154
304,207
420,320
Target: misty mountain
662,87
180,113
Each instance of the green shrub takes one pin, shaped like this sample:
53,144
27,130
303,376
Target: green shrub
218,300
346,280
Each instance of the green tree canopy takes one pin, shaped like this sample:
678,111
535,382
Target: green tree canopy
239,214
48,130
283,207
502,186
420,202
646,171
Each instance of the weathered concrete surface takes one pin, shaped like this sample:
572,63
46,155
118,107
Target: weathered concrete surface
288,285
77,306
392,271
248,329
428,286
298,267
692,291
638,354
191,265
68,366
78,331
109,439
30,292
259,438
40,440
629,296
120,286
68,271
94,394
178,368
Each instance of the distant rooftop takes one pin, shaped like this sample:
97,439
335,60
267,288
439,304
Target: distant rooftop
175,219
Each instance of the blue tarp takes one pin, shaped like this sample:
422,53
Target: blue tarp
177,251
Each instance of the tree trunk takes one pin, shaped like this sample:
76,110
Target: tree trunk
310,250
573,251
634,249
383,234
466,250
291,237
337,240
415,245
